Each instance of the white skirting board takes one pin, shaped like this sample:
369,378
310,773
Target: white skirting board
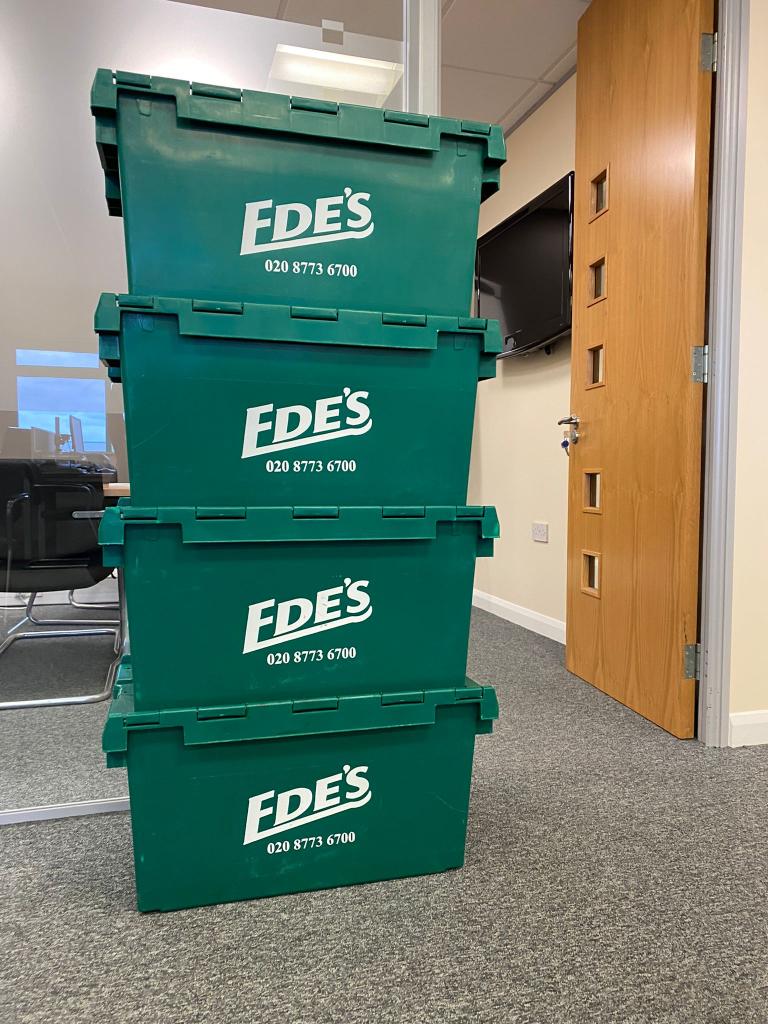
544,625
748,728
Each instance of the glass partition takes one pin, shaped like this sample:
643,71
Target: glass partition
63,449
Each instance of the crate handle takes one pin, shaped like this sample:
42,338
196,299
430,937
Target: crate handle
316,512
476,127
213,512
404,319
132,78
404,117
302,707
314,313
413,697
216,92
209,306
136,301
314,106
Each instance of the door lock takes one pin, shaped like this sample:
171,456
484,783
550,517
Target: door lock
571,435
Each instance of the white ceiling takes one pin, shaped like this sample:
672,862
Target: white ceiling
500,58
364,17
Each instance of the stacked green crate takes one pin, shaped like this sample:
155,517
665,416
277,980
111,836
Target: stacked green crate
233,195
299,373
238,802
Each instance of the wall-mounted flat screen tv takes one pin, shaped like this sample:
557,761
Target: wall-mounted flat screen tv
524,271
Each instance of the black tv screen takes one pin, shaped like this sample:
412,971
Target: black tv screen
524,271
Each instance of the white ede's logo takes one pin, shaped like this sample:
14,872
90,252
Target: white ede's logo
292,426
270,623
345,791
267,228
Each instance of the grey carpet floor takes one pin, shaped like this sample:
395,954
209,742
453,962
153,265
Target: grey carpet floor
613,874
53,755
60,666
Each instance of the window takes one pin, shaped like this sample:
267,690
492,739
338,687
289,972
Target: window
595,366
597,281
590,579
62,383
598,200
52,357
593,498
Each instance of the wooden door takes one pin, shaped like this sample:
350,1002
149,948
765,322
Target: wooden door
640,260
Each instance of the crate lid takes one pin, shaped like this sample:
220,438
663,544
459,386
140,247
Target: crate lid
296,324
266,111
228,525
282,719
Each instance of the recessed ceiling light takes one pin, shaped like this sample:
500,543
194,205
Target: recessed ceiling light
335,75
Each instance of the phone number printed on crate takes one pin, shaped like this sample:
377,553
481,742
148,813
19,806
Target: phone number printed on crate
302,657
310,268
310,842
311,466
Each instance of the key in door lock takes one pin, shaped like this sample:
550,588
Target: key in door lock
571,435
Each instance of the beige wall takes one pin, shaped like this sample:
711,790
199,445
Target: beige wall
517,462
749,650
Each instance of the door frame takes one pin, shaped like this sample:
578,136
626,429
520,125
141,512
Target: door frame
727,214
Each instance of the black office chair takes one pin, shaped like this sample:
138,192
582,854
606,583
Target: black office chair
49,511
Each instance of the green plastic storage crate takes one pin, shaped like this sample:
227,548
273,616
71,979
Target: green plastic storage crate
251,196
232,404
228,606
258,800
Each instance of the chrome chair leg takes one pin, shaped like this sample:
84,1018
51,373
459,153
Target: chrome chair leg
30,617
26,618
57,702
112,606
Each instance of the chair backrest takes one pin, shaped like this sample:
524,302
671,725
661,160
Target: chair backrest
37,499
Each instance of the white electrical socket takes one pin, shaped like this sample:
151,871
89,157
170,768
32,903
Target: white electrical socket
540,532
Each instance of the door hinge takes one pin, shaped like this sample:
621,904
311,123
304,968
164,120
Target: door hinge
709,51
692,661
700,364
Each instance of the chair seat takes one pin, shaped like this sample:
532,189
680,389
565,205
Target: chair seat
43,578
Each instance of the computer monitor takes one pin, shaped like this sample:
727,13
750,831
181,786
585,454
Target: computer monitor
116,444
76,434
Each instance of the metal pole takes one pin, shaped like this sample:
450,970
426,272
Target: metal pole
421,21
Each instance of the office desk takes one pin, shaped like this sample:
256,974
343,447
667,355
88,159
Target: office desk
121,490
